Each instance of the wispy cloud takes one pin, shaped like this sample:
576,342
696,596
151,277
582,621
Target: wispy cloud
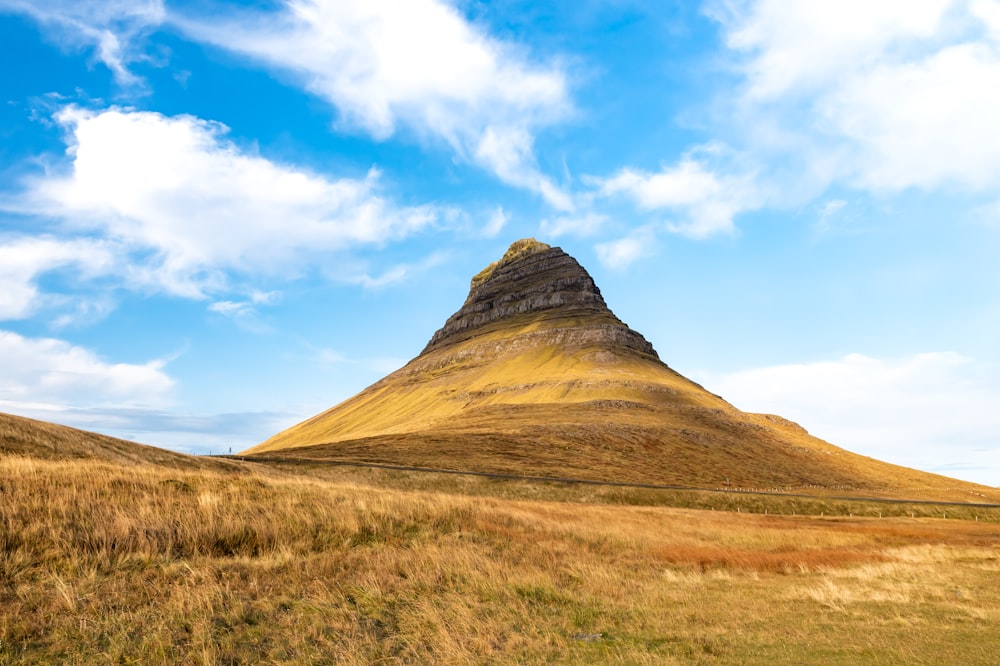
508,153
395,274
622,253
827,214
245,314
23,259
375,365
498,220
583,224
112,29
232,308
418,64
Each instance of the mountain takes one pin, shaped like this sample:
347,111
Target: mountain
534,375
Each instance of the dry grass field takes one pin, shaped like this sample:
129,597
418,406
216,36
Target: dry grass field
114,552
110,562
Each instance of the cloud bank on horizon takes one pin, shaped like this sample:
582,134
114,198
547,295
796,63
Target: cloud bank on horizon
812,188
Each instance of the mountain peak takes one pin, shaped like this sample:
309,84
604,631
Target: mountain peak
534,283
517,249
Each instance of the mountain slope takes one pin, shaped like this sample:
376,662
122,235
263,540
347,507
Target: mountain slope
535,375
40,439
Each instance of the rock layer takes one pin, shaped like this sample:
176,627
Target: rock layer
535,279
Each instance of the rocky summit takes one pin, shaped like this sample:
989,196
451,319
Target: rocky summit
542,282
534,375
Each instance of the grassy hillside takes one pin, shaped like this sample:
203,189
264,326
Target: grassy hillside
105,562
527,397
20,436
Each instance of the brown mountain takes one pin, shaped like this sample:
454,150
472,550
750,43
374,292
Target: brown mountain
534,375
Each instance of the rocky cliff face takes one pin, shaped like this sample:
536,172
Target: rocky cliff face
535,280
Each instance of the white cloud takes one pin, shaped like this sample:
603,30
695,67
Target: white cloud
24,259
192,207
498,220
232,308
378,366
416,63
381,63
244,314
46,371
394,275
265,297
247,308
585,224
809,43
828,212
80,309
508,153
987,11
932,411
686,184
705,200
883,96
923,124
112,28
620,254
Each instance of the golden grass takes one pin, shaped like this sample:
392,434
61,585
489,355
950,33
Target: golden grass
715,500
103,562
518,399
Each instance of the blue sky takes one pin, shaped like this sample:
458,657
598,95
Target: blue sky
217,219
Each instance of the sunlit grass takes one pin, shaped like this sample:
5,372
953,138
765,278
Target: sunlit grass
521,398
154,564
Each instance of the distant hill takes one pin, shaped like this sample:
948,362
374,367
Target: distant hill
40,439
534,375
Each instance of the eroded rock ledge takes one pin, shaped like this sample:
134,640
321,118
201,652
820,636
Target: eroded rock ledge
533,278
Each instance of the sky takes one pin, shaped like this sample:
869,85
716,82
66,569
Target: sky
220,218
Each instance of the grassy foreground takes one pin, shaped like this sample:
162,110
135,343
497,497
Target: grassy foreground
101,562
